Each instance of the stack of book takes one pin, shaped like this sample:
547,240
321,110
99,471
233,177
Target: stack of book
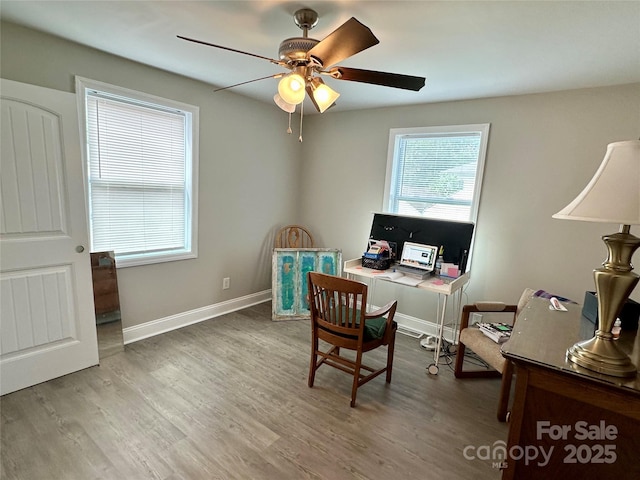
498,332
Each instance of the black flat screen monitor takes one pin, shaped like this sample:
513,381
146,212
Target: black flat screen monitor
454,237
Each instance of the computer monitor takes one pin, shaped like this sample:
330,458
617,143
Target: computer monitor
455,237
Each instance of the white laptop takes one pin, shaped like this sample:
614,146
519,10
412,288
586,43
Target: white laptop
417,260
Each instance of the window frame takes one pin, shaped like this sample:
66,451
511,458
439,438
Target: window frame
190,248
395,136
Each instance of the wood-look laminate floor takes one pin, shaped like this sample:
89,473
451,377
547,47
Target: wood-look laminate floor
228,399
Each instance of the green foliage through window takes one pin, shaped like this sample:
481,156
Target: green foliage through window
436,172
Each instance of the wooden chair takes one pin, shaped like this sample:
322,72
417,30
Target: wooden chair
338,317
487,349
293,236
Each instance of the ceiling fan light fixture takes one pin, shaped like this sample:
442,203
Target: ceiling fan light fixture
323,95
287,107
291,88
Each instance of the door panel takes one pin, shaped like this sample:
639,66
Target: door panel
32,180
45,296
48,321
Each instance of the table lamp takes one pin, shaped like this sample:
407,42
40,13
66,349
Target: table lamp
612,196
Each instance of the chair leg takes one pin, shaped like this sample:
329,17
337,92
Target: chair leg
459,359
314,358
390,350
356,379
505,391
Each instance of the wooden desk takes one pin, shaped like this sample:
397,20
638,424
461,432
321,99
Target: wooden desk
444,287
589,422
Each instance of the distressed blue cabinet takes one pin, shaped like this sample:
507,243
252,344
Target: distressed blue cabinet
289,278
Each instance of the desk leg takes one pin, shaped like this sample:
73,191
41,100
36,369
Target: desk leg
433,368
458,311
372,293
371,285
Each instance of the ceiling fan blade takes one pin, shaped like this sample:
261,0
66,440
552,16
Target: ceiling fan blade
272,60
277,75
348,39
395,80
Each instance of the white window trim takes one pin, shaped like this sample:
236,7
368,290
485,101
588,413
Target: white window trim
84,84
396,133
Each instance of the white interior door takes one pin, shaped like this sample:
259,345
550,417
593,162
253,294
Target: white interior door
47,319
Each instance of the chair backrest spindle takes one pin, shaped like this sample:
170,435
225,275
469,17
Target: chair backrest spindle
339,303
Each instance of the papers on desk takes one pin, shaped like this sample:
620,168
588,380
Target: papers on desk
498,332
388,274
398,277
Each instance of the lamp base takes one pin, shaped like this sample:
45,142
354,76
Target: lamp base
614,283
602,355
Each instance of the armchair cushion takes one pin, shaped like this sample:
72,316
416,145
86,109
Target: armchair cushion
484,347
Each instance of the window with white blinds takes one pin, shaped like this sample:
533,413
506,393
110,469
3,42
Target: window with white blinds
141,166
436,172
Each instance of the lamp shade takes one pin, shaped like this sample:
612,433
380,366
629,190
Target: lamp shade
291,88
323,95
287,107
613,194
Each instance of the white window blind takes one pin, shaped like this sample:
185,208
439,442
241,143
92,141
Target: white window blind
140,178
436,172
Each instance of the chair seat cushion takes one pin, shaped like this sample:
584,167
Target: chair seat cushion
484,347
374,328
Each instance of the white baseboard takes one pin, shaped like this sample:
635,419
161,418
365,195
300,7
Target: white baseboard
179,320
421,326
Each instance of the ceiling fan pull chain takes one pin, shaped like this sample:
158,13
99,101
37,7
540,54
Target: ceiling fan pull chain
301,115
289,129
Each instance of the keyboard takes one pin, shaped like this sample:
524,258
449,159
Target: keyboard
412,271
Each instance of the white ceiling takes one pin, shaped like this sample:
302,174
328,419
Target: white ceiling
465,50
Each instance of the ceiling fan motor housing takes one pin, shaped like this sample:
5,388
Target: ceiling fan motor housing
294,50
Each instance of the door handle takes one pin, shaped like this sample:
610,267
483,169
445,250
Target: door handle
80,248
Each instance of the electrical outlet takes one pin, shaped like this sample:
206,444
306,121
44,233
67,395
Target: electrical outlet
476,318
226,283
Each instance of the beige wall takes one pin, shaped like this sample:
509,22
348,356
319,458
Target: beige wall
248,175
542,150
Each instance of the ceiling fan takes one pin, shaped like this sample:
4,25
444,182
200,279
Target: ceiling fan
308,59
